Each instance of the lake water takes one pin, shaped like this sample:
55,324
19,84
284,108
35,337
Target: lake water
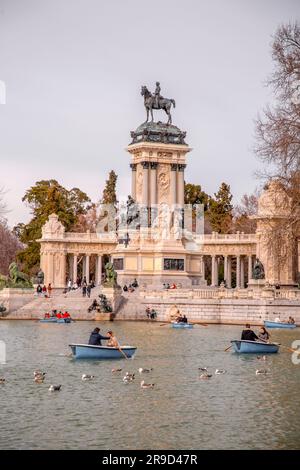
237,410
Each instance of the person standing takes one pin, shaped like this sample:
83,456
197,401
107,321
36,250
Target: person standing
39,290
49,289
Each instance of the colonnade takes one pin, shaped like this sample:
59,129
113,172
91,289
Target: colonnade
75,259
244,264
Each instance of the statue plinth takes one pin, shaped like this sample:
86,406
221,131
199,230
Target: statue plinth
114,296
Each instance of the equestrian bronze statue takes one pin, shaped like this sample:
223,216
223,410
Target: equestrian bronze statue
156,101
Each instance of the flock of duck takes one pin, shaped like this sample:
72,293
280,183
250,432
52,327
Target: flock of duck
39,376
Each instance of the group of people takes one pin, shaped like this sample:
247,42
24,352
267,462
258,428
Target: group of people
45,291
56,314
181,319
96,339
166,285
151,313
291,320
249,335
131,287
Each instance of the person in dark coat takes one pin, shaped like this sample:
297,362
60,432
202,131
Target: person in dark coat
95,338
248,334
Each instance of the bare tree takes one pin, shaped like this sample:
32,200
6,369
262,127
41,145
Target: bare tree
243,212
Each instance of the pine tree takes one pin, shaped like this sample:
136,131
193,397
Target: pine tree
220,210
109,195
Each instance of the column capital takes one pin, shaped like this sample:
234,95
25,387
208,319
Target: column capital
174,166
133,166
145,165
181,167
153,165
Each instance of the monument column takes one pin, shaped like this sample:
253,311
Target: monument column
98,269
180,185
238,271
74,268
213,271
173,183
87,268
133,180
228,279
242,273
225,269
145,199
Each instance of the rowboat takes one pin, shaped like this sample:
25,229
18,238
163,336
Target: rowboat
275,324
254,347
88,351
49,320
182,325
56,320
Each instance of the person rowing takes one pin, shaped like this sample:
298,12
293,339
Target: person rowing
112,342
248,334
96,338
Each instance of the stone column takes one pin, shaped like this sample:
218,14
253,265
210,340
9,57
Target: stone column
133,180
242,273
225,269
202,266
50,269
87,268
153,190
173,184
228,279
74,268
98,270
180,185
145,199
238,271
213,271
249,268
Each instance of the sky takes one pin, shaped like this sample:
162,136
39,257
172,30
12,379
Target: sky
73,71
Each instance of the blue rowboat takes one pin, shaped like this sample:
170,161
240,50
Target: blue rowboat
49,320
87,351
254,347
182,325
275,324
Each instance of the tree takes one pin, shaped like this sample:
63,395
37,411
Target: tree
220,210
109,195
44,198
193,194
278,130
243,212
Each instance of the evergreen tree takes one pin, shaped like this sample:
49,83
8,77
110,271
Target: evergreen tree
220,210
109,195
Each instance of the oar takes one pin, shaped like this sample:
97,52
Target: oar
289,349
228,348
125,355
164,324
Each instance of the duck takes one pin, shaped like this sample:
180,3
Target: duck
144,385
128,377
205,376
2,380
263,358
261,371
39,379
54,388
144,371
203,369
220,371
39,373
116,370
87,377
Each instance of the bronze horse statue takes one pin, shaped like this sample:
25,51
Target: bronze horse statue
150,103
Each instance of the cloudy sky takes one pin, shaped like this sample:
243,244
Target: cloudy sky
73,71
